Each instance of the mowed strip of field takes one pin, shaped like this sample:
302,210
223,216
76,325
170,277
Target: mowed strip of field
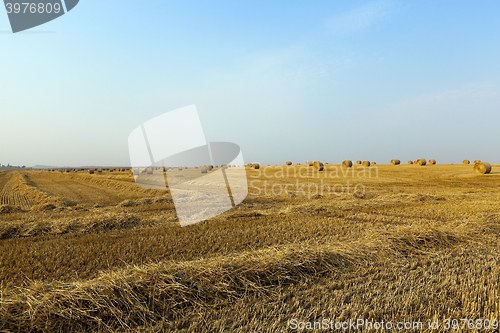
79,190
8,195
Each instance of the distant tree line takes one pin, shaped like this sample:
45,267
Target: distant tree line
12,166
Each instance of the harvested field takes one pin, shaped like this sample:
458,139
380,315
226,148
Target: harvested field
112,257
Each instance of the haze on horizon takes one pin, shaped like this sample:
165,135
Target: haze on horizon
291,80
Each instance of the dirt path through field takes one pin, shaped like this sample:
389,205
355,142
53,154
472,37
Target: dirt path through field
79,192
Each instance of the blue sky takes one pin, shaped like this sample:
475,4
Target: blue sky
290,80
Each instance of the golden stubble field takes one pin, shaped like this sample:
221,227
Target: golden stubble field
96,253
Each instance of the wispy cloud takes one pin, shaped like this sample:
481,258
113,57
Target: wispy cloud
360,18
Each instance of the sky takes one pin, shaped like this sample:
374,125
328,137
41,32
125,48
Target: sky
285,80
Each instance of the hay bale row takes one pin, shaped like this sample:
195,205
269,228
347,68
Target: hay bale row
395,162
347,163
482,168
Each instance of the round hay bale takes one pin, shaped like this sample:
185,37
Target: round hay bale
256,166
366,163
395,162
210,167
309,163
318,166
180,168
466,162
373,163
421,162
347,163
477,161
288,163
432,162
482,168
91,171
99,170
249,165
410,162
204,169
